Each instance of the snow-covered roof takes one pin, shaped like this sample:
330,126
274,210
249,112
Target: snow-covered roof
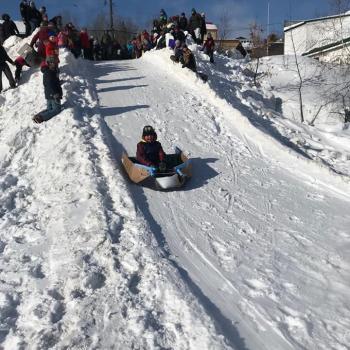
295,25
211,26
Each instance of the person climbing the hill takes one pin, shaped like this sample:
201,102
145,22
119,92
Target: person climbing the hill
150,151
53,91
195,25
20,62
208,47
5,68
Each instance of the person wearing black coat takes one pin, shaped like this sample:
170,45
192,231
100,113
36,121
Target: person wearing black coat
5,68
24,10
34,16
195,25
183,23
53,91
203,28
9,27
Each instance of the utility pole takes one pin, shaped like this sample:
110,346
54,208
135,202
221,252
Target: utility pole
111,14
268,28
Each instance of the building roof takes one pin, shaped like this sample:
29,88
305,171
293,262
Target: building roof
298,24
329,47
211,26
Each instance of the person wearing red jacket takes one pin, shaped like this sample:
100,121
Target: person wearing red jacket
85,44
208,47
39,39
150,151
51,48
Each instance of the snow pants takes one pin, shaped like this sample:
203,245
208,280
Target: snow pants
53,108
6,69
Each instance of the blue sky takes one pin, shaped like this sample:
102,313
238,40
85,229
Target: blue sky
241,12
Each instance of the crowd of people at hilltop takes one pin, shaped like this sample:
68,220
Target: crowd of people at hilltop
172,32
51,35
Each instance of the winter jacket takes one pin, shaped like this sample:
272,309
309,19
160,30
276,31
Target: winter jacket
183,23
4,56
195,21
51,83
209,44
9,28
41,35
51,49
203,27
84,40
34,15
179,35
150,153
24,10
188,60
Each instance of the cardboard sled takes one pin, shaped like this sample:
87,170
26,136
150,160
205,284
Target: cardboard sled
177,172
30,55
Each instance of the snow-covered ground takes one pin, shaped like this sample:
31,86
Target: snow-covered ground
252,254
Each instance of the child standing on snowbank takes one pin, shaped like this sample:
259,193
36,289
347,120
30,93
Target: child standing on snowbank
53,91
5,68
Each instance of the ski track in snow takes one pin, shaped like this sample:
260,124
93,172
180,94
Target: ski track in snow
238,228
251,254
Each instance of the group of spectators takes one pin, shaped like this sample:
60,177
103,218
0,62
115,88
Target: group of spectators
172,32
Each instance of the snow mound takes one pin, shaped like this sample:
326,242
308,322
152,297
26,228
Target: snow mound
80,267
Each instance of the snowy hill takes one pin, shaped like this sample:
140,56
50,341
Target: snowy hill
251,254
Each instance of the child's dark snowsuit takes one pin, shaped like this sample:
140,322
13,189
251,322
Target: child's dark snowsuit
53,94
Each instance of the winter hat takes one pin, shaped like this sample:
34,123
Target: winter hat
148,130
183,14
5,17
193,10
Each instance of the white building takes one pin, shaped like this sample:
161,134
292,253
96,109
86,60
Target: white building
326,38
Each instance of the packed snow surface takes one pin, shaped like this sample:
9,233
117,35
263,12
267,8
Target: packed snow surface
253,253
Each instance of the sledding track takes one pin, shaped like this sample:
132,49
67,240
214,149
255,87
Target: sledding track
256,245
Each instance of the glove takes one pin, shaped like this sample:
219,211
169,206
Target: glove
153,171
162,167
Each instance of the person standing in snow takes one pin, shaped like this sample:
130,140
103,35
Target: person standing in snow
53,91
34,16
209,46
40,38
163,18
150,151
20,62
195,25
9,27
85,44
5,68
24,10
203,28
183,22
